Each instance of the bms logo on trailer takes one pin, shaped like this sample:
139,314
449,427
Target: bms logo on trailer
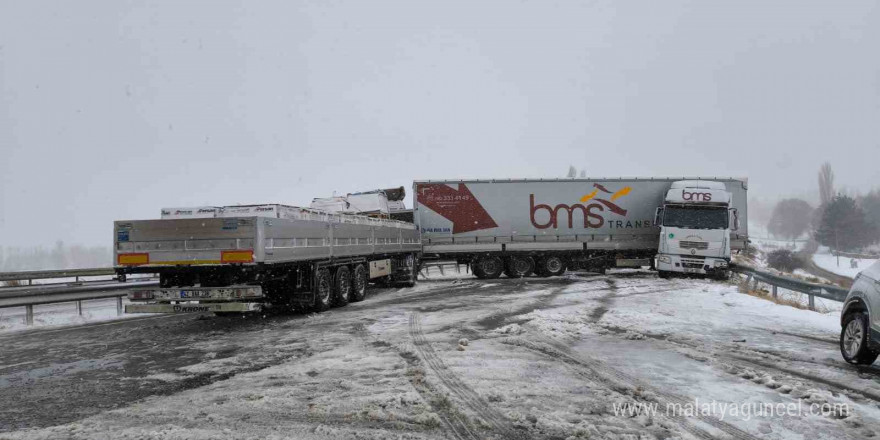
592,209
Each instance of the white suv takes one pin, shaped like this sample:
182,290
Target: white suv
860,318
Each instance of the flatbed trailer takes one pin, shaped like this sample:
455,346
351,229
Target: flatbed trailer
241,259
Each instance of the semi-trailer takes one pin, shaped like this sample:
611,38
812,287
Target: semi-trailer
244,258
545,226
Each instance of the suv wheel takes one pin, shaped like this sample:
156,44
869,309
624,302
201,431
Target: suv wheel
854,340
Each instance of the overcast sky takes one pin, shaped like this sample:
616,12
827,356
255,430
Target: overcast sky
113,110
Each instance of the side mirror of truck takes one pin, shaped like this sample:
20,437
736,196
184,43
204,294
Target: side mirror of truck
735,214
658,216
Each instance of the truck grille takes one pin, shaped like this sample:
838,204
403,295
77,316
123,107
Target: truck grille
701,245
692,262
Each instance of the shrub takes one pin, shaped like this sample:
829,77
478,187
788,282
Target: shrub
784,260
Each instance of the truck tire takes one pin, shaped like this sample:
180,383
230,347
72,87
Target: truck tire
551,266
322,290
854,340
489,267
518,267
664,274
341,286
359,283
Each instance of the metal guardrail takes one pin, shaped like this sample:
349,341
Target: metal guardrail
830,292
31,275
855,255
31,295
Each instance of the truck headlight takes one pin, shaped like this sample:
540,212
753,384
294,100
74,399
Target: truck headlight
665,259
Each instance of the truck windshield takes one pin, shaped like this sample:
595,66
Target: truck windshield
695,217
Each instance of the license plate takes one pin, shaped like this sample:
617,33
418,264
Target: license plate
195,293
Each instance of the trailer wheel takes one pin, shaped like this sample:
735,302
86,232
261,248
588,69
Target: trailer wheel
518,267
359,283
551,266
341,286
322,290
489,267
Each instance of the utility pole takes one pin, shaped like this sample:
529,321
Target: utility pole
837,246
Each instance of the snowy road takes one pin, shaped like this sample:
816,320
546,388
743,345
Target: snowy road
461,359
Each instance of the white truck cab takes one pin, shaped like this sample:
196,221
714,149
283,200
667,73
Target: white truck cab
695,224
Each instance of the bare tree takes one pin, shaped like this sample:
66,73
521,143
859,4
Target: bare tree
583,174
826,184
572,172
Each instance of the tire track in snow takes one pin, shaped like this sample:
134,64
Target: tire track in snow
451,420
742,362
470,398
593,369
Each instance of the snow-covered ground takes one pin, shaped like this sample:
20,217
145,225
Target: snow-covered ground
530,358
829,262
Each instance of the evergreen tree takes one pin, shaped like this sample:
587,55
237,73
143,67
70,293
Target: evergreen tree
870,203
843,226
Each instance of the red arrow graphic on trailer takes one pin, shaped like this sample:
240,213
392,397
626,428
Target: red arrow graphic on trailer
459,206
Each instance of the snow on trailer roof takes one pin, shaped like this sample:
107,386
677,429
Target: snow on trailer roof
743,180
702,184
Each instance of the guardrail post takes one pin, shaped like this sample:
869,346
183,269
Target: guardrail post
774,292
812,303
29,315
79,308
118,306
457,268
441,269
